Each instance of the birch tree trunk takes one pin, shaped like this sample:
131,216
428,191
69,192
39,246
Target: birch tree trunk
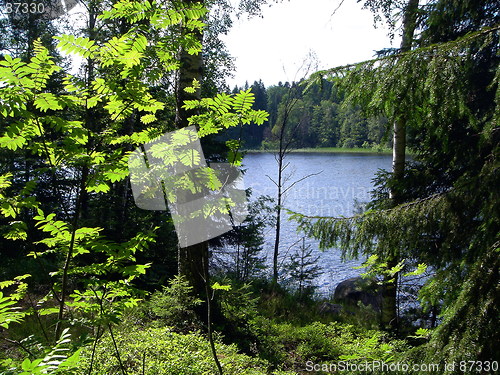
389,302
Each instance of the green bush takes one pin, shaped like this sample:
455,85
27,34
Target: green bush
287,305
292,346
174,304
161,351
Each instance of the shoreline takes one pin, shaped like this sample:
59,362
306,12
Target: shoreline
328,150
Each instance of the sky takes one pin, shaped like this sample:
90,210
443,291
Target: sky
273,48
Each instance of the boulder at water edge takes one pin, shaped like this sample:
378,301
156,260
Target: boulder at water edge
357,289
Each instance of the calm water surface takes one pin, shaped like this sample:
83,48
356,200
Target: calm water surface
343,180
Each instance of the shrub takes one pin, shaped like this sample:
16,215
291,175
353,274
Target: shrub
175,304
293,346
161,351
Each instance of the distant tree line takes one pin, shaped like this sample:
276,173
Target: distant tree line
320,114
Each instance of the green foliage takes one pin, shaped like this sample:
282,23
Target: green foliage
217,286
160,351
225,111
319,115
303,268
102,301
244,244
79,46
466,332
422,333
8,314
175,304
239,306
446,216
80,136
376,267
293,346
60,359
79,133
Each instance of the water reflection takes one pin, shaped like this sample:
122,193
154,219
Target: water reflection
345,181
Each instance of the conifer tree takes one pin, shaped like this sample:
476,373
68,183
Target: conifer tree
389,304
303,267
447,210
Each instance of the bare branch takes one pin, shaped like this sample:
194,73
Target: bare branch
287,251
337,8
302,179
269,177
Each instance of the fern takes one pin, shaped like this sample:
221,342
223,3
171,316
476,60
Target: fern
8,313
59,360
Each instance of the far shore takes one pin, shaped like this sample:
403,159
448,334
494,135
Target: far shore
355,150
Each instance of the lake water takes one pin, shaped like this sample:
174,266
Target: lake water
343,180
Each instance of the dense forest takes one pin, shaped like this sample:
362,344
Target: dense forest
320,115
128,247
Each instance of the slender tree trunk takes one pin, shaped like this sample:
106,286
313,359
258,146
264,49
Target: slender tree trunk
210,314
284,148
281,156
239,274
389,303
192,260
81,201
278,219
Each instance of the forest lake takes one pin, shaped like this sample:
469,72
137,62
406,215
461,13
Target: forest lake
341,182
